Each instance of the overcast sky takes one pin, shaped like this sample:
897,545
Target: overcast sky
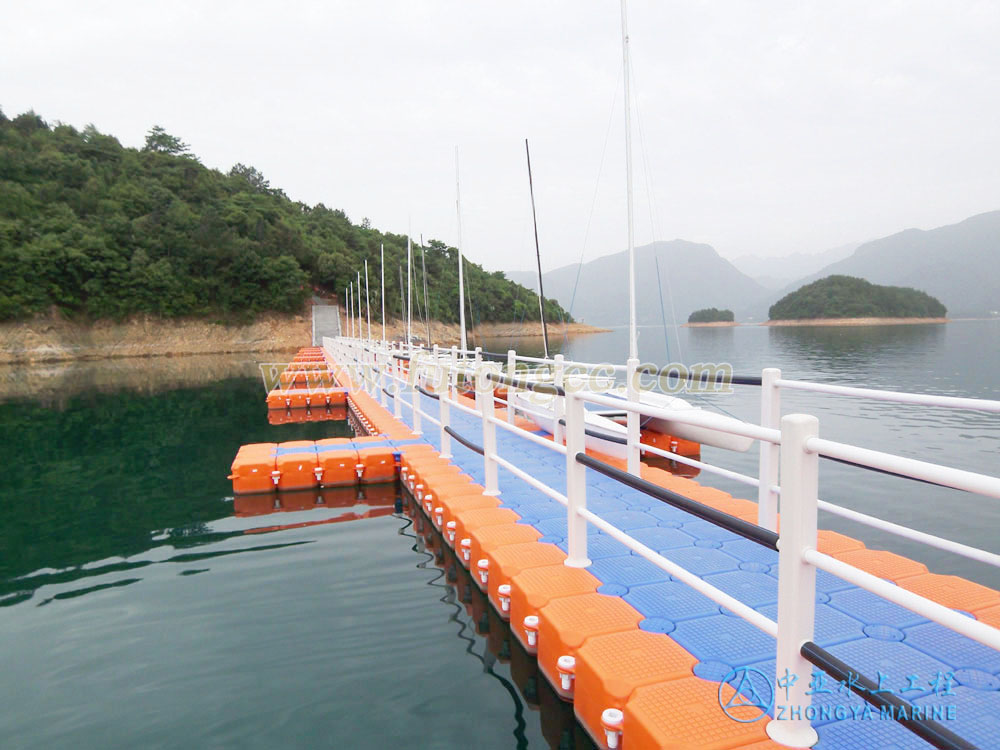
768,127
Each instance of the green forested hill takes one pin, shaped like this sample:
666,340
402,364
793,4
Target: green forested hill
104,231
849,297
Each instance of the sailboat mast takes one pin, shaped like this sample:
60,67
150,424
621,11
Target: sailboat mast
423,266
633,344
350,306
402,299
409,291
368,302
382,263
538,255
360,329
461,285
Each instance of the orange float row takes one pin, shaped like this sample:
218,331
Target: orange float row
555,612
304,464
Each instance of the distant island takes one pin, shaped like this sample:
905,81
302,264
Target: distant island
711,316
840,300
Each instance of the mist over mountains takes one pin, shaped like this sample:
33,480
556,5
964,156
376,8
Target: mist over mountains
959,264
692,276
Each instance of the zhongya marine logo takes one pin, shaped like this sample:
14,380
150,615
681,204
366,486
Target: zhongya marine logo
752,695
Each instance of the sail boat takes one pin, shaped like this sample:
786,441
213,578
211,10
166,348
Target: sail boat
603,433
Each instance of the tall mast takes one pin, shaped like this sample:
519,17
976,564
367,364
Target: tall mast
409,291
382,256
360,329
368,302
538,255
350,306
461,283
423,265
633,344
402,299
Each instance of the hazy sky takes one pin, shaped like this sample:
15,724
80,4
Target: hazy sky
768,127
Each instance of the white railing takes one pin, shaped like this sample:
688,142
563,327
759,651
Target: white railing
789,447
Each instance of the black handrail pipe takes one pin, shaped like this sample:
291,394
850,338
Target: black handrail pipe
464,441
527,385
927,729
747,530
428,393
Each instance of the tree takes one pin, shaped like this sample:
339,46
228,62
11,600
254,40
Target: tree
253,177
160,141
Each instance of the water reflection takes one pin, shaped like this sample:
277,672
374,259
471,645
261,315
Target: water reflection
102,475
501,655
849,350
53,383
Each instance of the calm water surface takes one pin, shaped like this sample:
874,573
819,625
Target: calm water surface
137,609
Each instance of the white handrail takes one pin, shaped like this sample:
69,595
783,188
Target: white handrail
959,479
521,474
694,417
949,618
921,399
717,595
552,445
973,553
711,468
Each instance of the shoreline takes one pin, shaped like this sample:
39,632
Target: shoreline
52,339
448,334
55,339
853,322
714,324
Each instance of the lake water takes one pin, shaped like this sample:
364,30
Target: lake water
137,611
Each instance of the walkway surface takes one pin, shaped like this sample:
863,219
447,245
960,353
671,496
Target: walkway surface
920,661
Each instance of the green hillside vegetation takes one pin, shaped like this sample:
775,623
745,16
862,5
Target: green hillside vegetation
850,297
711,315
103,231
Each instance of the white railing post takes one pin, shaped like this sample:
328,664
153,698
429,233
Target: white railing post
397,407
484,394
558,402
511,372
453,378
415,399
576,483
380,369
443,395
632,418
770,417
796,581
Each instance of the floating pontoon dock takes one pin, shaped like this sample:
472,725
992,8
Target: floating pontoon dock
662,608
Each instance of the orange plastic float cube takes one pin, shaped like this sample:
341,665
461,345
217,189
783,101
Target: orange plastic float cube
376,464
453,501
298,469
339,467
487,538
685,715
470,520
610,667
951,591
882,564
251,469
532,589
508,560
437,481
565,624
830,542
